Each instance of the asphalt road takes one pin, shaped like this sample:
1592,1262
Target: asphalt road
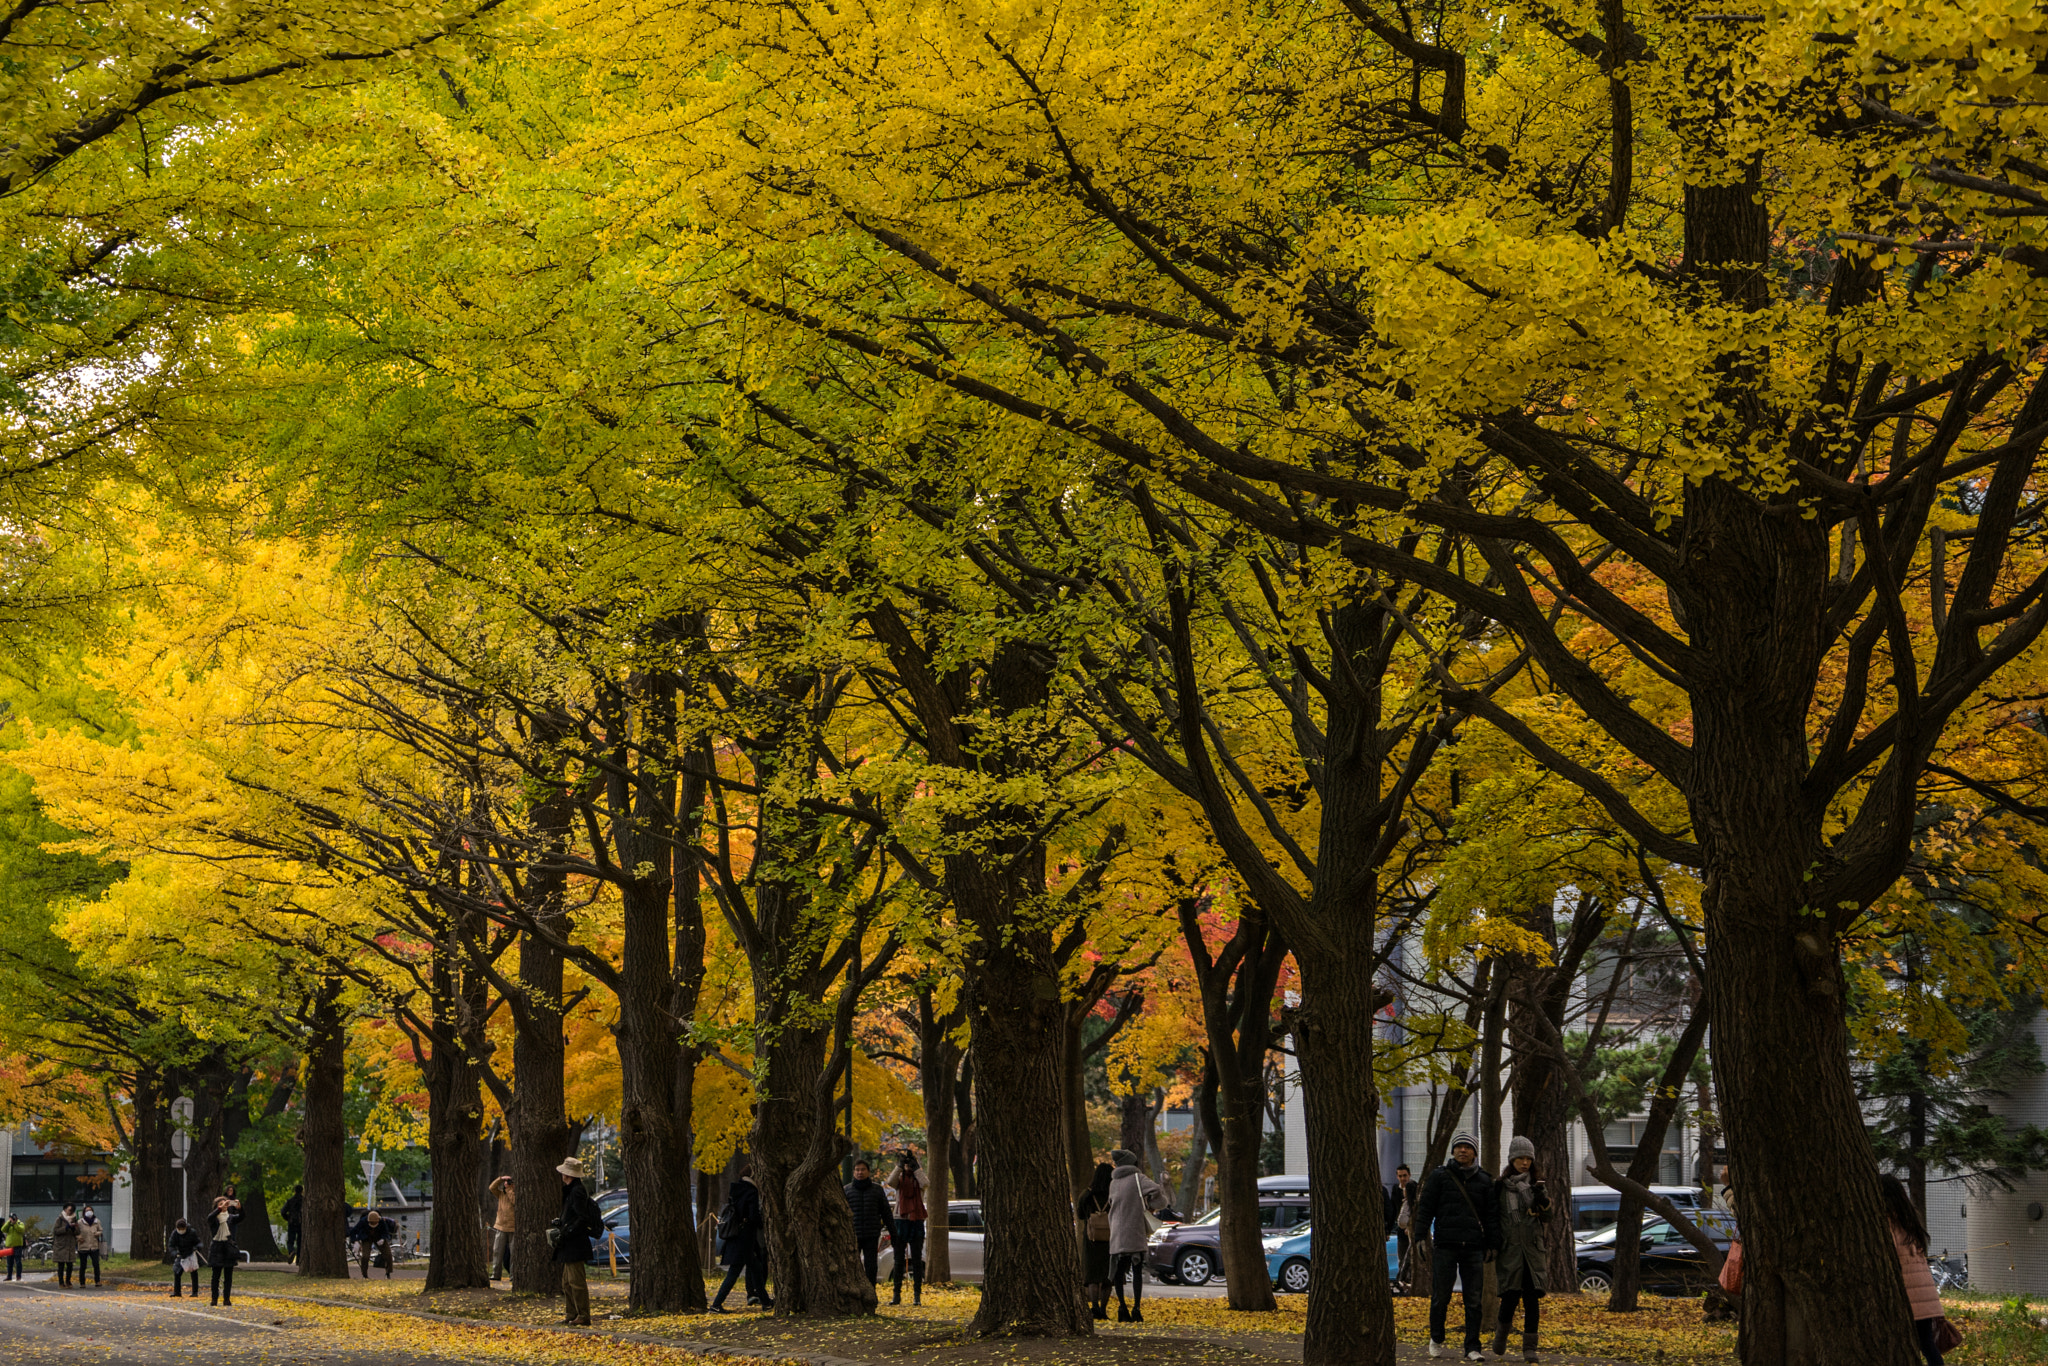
43,1325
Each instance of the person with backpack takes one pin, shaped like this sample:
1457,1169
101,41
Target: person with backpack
1460,1214
372,1238
14,1240
1133,1197
1092,1210
184,1245
739,1242
579,1223
908,1231
1522,1270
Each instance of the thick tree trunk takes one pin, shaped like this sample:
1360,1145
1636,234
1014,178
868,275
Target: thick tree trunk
964,1146
938,1066
656,1150
541,1133
1246,1282
323,1210
149,1173
797,1147
457,1255
1351,1306
205,1170
1134,1121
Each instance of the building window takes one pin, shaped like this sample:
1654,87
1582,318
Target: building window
48,1181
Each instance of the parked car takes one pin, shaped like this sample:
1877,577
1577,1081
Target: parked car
1192,1253
963,1243
618,1222
1597,1207
1670,1264
607,1201
1288,1258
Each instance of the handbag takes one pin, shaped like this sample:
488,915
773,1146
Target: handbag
1947,1337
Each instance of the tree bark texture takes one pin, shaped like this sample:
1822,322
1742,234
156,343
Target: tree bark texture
938,1067
150,1170
542,1134
457,1256
323,1130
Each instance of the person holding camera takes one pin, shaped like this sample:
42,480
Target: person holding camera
221,1253
907,1232
1523,1266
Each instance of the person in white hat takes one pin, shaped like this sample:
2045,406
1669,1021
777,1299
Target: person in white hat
580,1222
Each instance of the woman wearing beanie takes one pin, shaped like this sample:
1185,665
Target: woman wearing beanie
1523,1267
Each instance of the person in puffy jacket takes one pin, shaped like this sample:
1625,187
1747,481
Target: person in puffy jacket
739,1242
1909,1240
1523,1268
1460,1213
14,1238
91,1237
184,1244
64,1242
870,1206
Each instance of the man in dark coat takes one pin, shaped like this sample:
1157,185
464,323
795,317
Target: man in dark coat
580,1222
294,1210
372,1237
739,1242
1458,1211
1402,1195
870,1205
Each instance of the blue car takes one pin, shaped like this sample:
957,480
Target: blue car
618,1222
1287,1259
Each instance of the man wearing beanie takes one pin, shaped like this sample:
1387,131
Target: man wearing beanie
1460,1214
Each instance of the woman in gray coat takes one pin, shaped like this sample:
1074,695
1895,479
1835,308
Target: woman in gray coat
1523,1266
1131,1195
64,1243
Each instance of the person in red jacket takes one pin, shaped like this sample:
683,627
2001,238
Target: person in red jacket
907,1233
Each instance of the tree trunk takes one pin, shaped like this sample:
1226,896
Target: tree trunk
964,1144
797,1147
1642,1168
149,1172
1489,1081
1074,1105
542,1135
1247,1285
655,1151
1134,1118
938,1059
1189,1197
1351,1307
457,1256
249,1177
323,1209
1542,1097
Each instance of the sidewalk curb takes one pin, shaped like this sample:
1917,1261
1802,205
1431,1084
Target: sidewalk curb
581,1334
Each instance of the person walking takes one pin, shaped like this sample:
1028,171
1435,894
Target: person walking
91,1236
64,1242
1909,1240
294,1211
13,1238
870,1206
1092,1210
1400,1218
184,1242
1459,1214
908,1232
372,1239
502,1228
1522,1270
580,1222
1132,1197
739,1242
221,1252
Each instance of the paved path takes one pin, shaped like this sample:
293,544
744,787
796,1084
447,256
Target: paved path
42,1324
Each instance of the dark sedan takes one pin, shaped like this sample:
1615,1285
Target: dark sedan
1192,1253
1671,1265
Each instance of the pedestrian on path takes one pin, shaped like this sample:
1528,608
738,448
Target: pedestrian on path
294,1213
1092,1210
184,1258
1909,1239
91,1235
1460,1214
372,1238
64,1242
1523,1268
14,1239
502,1228
1133,1196
1400,1217
870,1206
580,1222
908,1233
221,1252
739,1242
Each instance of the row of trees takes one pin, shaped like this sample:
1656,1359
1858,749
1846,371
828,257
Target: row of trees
991,494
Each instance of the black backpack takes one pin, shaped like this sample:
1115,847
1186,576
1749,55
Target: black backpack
727,1220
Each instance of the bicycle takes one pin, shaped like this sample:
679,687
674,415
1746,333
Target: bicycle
1950,1273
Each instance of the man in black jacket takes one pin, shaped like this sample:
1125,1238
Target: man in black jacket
1402,1195
1460,1212
580,1222
739,1242
870,1205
